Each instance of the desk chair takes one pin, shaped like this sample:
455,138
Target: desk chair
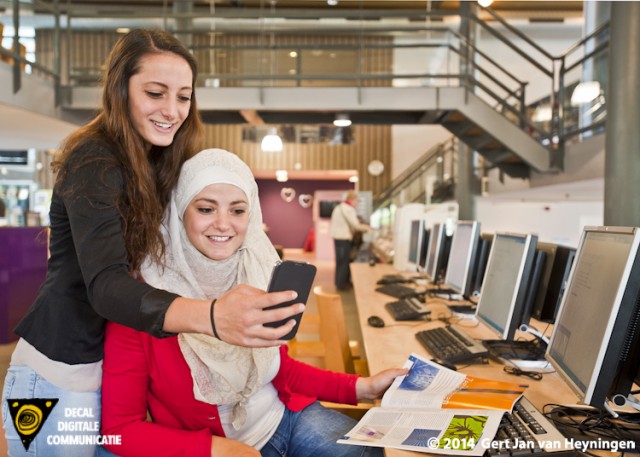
334,350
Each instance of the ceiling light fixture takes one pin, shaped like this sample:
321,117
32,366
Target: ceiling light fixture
543,113
271,141
282,175
585,92
485,3
332,2
342,120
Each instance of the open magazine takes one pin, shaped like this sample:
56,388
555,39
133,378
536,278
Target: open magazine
436,410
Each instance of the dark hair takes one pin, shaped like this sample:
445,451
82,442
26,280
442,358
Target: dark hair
149,176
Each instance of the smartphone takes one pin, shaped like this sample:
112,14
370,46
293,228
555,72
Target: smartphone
290,275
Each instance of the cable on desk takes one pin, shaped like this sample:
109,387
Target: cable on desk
535,375
589,423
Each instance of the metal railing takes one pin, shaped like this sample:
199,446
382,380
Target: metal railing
436,167
282,50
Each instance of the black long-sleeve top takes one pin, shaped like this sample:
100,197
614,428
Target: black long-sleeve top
88,280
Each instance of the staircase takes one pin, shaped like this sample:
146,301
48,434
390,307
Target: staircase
503,144
471,94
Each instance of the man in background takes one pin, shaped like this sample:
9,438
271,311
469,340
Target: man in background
344,224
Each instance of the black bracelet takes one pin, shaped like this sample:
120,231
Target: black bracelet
213,324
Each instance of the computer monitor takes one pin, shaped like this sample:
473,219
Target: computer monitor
539,277
484,247
438,252
462,257
416,238
558,262
422,262
594,346
502,300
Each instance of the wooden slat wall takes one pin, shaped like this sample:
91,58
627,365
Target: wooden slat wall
88,49
371,142
223,62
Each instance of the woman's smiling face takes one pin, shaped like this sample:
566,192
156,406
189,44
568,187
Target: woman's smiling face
160,97
217,219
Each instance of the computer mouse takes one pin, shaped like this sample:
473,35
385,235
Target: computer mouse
375,321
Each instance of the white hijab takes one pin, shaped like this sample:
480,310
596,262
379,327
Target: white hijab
223,374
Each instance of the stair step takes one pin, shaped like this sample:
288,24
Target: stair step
497,157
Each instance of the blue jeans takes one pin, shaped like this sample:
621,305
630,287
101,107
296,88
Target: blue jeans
314,431
76,415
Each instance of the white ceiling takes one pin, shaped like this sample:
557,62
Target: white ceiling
21,129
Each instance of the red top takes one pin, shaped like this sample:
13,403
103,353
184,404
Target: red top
143,373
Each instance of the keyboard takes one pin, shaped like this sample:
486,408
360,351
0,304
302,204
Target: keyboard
526,432
393,279
451,344
398,290
407,309
518,349
443,291
462,308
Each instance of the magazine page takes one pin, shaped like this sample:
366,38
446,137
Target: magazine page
445,431
485,394
428,385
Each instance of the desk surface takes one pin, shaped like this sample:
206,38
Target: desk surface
389,346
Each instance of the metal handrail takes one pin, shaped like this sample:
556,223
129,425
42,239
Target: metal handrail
414,171
512,99
580,43
513,30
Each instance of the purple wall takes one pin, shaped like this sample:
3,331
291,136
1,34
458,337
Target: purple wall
23,266
289,223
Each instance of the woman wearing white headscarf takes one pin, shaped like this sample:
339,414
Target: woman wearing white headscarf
207,397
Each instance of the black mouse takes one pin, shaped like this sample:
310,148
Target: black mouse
375,321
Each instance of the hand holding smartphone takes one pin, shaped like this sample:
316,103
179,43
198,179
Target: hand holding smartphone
290,275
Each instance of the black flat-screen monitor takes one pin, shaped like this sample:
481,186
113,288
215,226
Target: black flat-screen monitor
484,247
594,346
438,252
422,262
502,300
558,262
416,241
462,257
539,278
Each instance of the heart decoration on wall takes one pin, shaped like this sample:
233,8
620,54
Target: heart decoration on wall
288,194
305,200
